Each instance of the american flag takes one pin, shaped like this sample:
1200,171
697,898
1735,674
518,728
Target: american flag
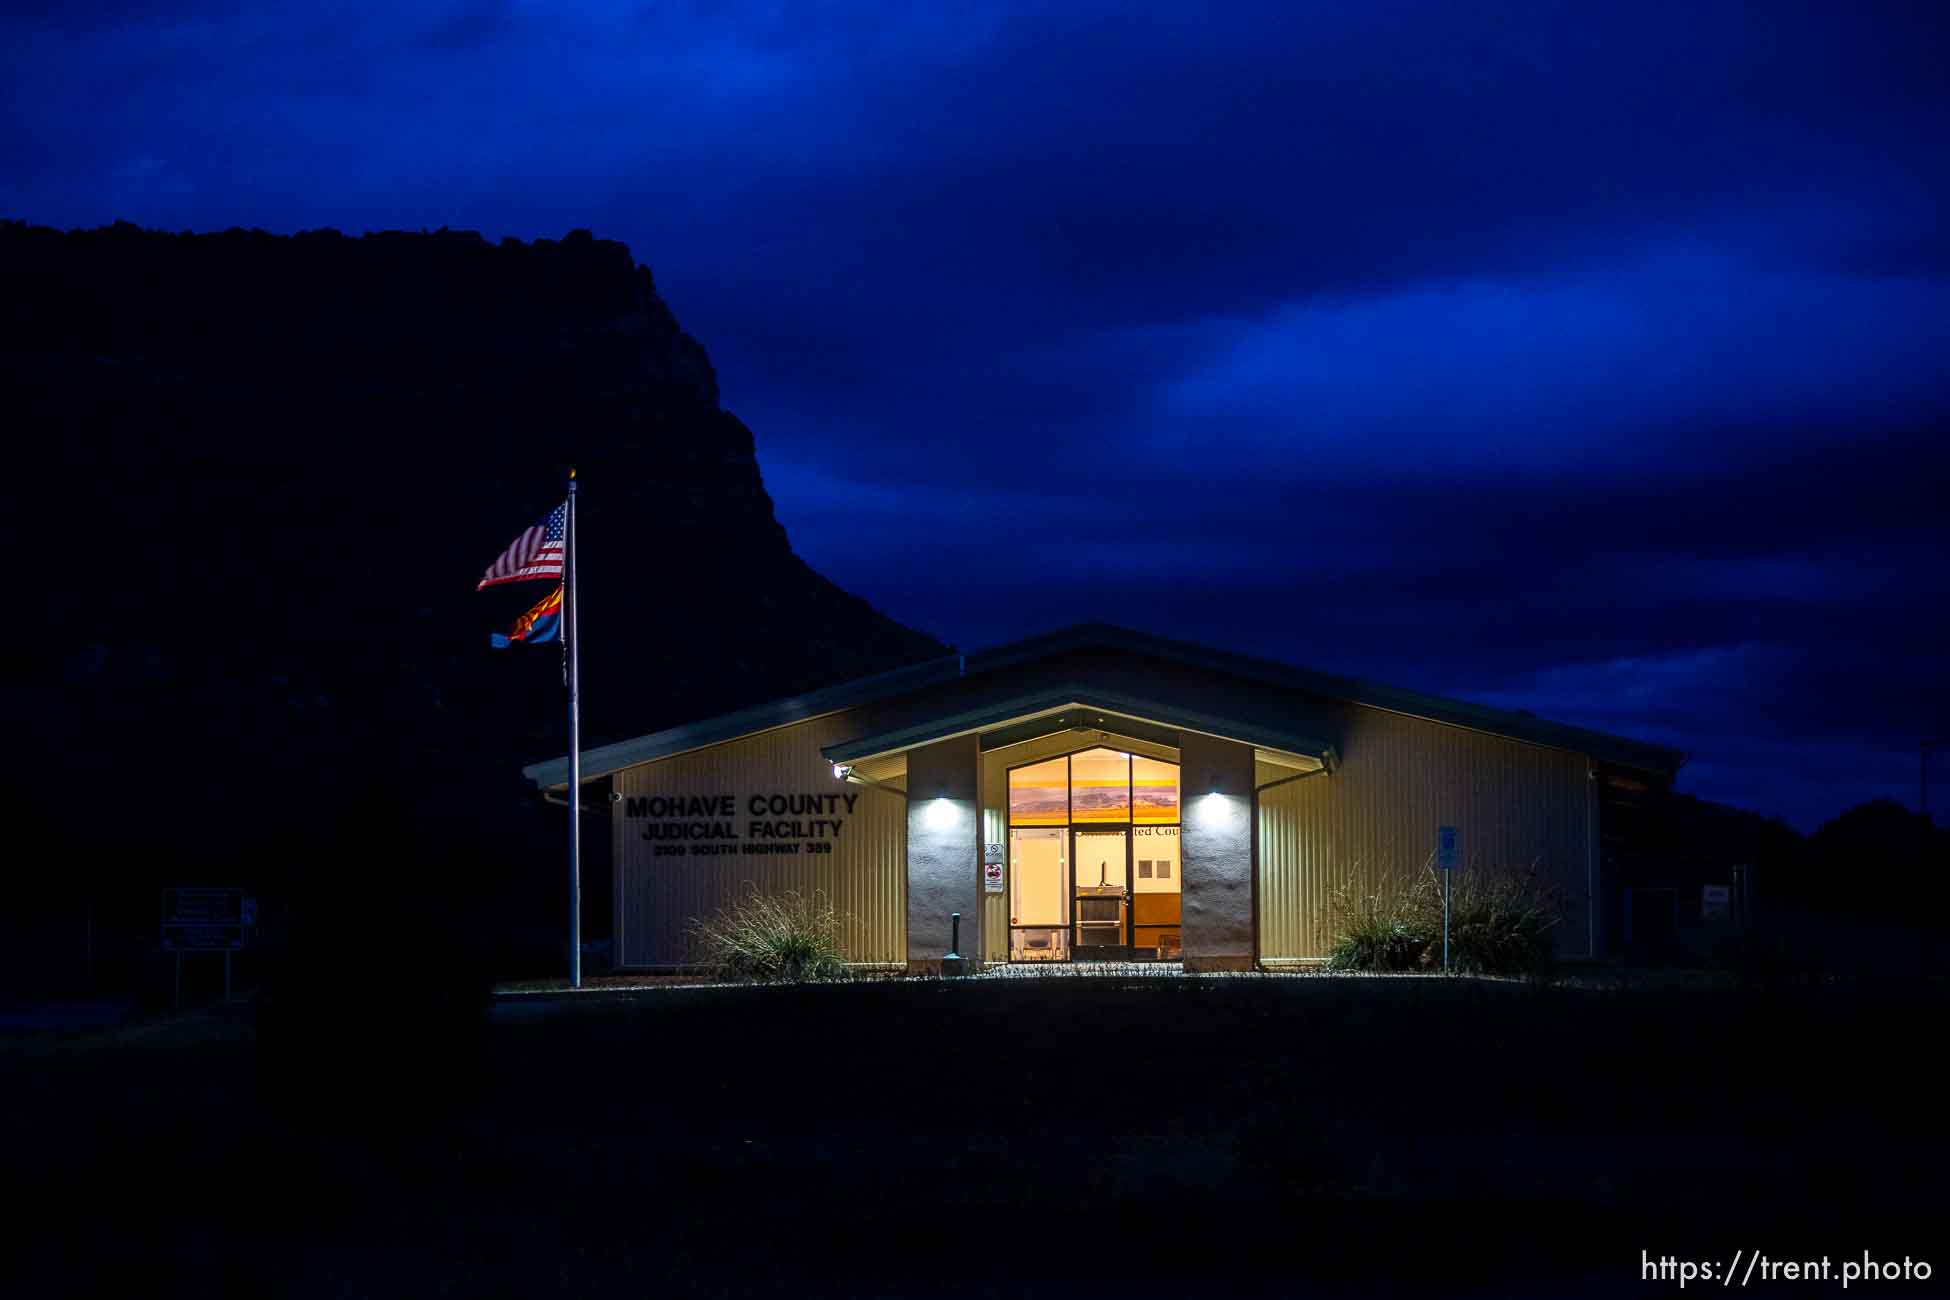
537,553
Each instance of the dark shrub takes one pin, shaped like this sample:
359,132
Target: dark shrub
1499,923
1499,920
766,937
1378,931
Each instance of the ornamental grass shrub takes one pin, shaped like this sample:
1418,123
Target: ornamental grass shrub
1376,931
1499,922
771,937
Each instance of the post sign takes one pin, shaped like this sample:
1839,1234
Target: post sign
1448,847
202,919
991,877
1714,902
991,853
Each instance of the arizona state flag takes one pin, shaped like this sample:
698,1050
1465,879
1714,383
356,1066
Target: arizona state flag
542,623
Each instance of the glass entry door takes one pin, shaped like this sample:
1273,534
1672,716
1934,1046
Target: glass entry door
1101,867
1039,895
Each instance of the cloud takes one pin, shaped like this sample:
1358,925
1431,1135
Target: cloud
1604,370
1739,710
1500,348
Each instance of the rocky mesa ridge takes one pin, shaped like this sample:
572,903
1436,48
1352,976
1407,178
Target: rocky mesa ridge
277,466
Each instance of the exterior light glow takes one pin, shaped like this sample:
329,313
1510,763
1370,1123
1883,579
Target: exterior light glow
841,771
942,815
1214,810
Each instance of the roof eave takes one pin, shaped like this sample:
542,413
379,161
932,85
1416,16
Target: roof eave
1622,751
553,773
1641,756
1080,696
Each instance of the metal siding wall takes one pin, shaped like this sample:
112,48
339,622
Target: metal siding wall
865,877
619,922
995,907
1400,778
995,829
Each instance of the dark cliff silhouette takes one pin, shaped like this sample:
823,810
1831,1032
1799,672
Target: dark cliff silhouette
253,481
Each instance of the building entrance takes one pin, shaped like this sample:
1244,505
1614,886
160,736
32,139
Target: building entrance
1103,894
1081,890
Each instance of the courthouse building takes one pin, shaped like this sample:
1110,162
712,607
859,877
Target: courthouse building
1096,794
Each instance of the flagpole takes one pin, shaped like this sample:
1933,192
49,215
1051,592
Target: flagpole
573,645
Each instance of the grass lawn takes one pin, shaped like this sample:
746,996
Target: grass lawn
905,1137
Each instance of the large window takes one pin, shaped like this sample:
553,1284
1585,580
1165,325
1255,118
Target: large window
1095,787
1039,795
1154,791
1155,890
1100,786
1094,847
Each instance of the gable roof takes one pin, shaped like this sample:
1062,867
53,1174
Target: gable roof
1621,751
1109,707
601,761
1514,723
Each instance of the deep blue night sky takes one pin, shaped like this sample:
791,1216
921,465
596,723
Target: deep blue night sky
1586,359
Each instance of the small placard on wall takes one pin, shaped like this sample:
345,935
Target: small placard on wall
991,877
991,855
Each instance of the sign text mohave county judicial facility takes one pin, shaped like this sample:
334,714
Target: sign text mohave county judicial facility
705,825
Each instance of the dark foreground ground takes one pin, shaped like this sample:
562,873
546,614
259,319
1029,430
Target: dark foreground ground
1084,1137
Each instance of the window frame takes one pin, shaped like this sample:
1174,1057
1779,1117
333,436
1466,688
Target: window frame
1070,827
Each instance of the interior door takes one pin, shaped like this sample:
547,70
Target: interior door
1100,863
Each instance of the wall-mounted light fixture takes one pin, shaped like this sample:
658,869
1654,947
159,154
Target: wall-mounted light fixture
942,815
841,771
1214,809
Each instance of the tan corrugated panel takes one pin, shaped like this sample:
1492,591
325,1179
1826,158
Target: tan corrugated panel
1400,778
995,907
864,876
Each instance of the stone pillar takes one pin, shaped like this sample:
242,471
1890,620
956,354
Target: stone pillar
944,851
1216,789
